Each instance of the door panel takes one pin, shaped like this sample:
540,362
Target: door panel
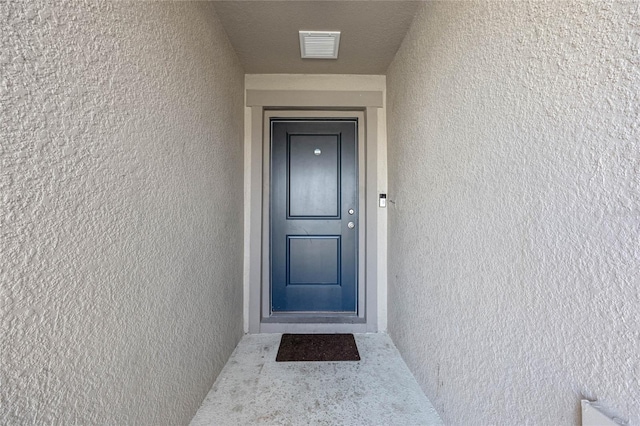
314,260
313,189
314,176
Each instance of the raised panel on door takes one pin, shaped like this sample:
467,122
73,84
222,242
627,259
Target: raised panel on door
313,176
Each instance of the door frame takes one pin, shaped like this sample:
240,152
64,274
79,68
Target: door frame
267,316
363,106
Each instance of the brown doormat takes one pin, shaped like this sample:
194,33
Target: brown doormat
318,347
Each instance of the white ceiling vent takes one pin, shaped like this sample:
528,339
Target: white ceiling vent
319,44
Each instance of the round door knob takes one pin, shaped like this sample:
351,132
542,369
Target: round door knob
351,225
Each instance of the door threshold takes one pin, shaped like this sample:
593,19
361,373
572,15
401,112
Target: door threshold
290,318
327,328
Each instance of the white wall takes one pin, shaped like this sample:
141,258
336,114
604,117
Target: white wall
120,187
514,243
328,82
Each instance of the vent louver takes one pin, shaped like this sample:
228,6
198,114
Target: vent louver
319,44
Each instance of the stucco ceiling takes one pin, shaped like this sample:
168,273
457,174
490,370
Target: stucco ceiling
265,33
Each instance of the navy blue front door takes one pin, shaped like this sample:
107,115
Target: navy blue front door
314,215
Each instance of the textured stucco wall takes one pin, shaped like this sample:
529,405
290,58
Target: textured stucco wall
121,210
514,240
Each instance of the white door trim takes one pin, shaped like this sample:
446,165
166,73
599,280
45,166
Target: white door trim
334,104
266,184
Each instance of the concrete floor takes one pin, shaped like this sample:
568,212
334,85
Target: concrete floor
253,389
